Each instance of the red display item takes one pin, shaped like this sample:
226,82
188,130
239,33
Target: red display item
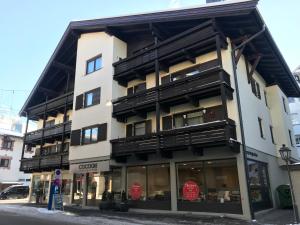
136,191
190,191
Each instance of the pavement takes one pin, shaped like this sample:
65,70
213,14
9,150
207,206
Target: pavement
14,213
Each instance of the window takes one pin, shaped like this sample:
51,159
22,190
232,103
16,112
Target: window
291,139
7,143
92,97
90,135
266,100
272,136
255,88
94,64
150,183
260,127
188,119
297,137
284,105
4,163
136,89
49,123
140,128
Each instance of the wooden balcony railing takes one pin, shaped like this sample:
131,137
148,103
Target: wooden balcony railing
54,105
202,85
198,40
49,132
212,133
44,163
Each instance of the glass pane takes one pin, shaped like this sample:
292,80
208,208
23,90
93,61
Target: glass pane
94,134
253,173
140,128
190,181
98,63
159,182
95,188
78,189
87,136
90,66
88,99
222,181
192,73
136,183
194,118
178,121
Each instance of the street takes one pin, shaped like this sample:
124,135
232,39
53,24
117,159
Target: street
8,218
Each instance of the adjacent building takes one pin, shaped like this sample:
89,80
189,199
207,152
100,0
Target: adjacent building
11,143
184,110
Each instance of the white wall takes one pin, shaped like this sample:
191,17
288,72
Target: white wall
89,46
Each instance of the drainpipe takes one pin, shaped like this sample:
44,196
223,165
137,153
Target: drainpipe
234,65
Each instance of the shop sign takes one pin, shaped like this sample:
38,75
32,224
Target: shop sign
190,191
136,191
92,167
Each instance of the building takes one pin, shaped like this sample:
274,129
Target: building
185,110
294,104
11,144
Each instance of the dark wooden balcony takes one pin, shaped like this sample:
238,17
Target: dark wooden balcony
184,46
45,163
49,134
206,83
52,107
217,133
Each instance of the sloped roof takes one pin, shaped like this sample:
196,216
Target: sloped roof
272,66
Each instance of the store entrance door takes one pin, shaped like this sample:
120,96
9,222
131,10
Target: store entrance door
78,189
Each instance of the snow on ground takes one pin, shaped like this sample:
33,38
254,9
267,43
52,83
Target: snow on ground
14,201
58,216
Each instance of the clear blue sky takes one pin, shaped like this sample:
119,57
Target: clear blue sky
31,29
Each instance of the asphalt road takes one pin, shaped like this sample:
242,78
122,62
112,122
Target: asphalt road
7,218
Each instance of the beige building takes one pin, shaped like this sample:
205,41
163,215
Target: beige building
176,108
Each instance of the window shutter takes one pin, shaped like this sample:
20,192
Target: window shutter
79,102
129,130
75,137
102,132
148,126
130,91
253,86
96,96
167,122
165,79
258,90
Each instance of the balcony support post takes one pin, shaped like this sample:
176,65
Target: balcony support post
157,111
23,147
44,124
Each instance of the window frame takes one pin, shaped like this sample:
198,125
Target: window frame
137,123
93,60
91,141
261,129
7,144
185,119
94,94
272,134
291,139
8,163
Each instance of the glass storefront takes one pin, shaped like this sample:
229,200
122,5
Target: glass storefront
209,186
149,186
78,189
40,188
96,184
259,185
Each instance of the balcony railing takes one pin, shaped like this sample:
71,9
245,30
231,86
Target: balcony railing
49,132
198,40
44,163
53,105
202,85
212,133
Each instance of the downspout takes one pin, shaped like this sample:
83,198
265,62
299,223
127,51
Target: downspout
234,66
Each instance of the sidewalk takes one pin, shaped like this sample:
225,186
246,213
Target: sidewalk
272,217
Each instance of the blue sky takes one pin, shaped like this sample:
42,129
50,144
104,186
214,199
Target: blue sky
31,29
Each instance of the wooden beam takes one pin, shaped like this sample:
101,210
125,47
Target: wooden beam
62,66
253,68
189,56
48,92
161,35
239,54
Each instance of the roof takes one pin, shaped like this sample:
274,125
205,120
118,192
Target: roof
272,66
5,132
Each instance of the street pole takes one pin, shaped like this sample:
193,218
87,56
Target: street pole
295,207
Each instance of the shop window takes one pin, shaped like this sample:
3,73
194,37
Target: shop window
117,180
259,185
95,188
78,189
136,183
158,182
94,64
66,186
